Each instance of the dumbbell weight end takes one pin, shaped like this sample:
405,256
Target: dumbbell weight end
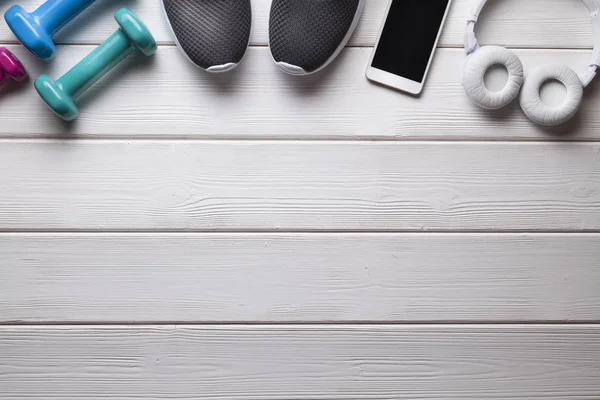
10,68
60,95
35,30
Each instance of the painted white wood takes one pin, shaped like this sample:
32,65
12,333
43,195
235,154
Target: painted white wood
168,97
224,187
531,24
287,278
274,185
301,362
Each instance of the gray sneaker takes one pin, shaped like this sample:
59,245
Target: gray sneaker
306,35
213,34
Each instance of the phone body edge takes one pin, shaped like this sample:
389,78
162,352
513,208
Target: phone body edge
396,81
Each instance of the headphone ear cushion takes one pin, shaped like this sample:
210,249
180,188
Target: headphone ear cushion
534,107
478,63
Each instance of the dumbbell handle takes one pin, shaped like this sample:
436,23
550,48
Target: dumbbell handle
96,64
53,14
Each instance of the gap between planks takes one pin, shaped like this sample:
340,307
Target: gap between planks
303,324
358,139
308,141
315,233
350,46
162,231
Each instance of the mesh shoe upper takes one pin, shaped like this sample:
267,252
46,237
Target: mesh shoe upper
211,32
307,33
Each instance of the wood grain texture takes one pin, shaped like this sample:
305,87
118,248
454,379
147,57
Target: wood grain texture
301,362
153,226
286,278
274,186
531,24
168,97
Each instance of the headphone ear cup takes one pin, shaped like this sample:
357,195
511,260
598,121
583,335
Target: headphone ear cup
473,80
534,107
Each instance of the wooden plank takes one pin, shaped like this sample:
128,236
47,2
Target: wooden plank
285,278
531,24
290,186
169,97
301,362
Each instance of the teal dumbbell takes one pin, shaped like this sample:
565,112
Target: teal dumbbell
60,95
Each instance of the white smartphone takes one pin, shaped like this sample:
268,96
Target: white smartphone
407,42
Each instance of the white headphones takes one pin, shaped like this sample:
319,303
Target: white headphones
480,59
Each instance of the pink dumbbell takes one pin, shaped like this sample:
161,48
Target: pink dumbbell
10,68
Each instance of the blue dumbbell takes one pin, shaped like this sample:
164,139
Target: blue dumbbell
35,30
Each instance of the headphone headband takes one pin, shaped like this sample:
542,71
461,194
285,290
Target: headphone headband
471,43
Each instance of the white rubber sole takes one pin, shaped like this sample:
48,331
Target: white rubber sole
215,69
298,71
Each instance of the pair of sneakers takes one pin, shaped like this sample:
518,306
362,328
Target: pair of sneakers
304,35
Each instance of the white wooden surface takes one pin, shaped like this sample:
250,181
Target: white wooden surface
299,186
421,238
300,362
308,277
174,100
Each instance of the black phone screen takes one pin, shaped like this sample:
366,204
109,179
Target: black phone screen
408,37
